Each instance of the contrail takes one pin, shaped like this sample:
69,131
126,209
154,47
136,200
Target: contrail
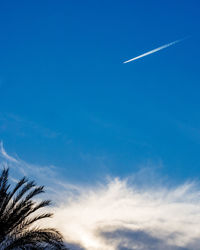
154,50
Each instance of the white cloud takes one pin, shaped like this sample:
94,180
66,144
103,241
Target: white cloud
117,215
168,217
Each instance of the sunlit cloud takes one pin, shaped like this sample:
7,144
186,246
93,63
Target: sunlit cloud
117,214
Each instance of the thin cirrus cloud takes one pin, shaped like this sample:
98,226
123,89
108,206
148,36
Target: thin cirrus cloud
153,51
21,127
116,214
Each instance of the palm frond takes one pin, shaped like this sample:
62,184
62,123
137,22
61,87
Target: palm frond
18,214
36,237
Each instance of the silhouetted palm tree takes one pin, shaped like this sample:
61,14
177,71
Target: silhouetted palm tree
17,215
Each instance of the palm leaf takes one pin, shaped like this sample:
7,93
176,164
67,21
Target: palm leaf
18,214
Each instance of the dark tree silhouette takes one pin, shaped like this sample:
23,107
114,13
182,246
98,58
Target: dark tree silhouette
18,212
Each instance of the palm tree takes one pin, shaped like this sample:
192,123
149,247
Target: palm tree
17,215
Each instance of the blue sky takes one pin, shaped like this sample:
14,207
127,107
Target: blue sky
67,100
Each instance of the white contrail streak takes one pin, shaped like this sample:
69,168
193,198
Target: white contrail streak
153,51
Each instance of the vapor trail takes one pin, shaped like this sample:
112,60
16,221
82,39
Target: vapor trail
153,51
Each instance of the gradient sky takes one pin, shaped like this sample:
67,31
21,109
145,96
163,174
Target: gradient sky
66,98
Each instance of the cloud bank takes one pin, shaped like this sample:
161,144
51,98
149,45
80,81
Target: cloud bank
118,215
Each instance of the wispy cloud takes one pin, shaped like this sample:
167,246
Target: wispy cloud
5,155
17,125
118,214
153,51
192,131
19,168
